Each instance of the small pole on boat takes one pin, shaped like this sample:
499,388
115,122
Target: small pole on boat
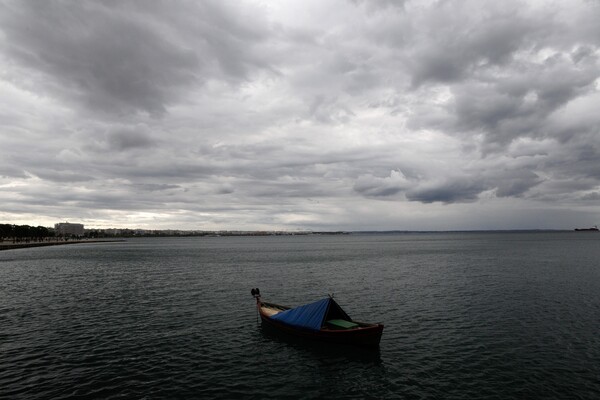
256,294
257,305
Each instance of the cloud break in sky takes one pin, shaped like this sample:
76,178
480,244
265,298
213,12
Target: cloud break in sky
353,115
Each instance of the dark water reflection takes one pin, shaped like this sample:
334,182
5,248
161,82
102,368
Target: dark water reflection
478,315
319,350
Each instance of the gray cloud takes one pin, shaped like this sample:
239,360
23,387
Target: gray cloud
337,114
8,171
461,46
370,185
154,187
516,183
448,191
123,58
594,196
127,140
505,108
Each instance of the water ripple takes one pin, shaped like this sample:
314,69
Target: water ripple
467,316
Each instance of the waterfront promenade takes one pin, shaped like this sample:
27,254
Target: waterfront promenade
6,245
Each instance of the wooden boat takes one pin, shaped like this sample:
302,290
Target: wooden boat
322,320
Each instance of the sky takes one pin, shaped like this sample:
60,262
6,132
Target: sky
300,115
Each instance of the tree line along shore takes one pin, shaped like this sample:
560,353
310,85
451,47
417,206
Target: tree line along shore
25,233
22,236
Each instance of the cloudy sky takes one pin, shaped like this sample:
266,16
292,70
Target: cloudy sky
357,115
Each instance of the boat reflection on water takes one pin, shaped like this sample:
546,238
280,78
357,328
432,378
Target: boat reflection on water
321,350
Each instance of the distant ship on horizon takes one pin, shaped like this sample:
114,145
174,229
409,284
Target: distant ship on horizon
593,229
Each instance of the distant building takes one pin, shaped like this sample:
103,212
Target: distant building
67,229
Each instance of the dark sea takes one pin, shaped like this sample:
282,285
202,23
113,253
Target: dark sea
467,316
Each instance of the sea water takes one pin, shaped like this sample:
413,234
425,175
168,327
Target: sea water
467,315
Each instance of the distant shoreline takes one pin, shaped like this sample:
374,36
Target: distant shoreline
12,246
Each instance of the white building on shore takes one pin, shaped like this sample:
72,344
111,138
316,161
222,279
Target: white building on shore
67,229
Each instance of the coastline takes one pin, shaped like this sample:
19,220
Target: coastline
11,246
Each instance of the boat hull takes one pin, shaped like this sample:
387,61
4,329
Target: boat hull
367,335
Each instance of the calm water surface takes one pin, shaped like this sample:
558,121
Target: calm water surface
473,315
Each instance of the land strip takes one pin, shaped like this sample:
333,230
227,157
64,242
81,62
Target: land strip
12,246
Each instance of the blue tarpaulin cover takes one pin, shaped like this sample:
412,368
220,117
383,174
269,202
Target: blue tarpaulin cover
308,316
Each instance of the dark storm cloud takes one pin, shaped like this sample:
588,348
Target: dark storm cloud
303,114
121,58
449,191
109,60
61,176
8,171
373,186
329,111
155,187
515,183
507,72
127,140
582,162
508,108
506,183
160,170
460,45
381,5
595,196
